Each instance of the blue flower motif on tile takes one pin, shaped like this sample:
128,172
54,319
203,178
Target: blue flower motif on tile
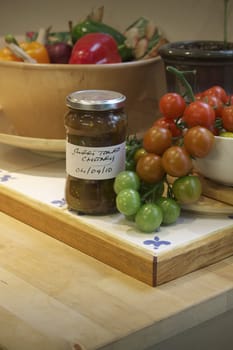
6,177
156,242
59,202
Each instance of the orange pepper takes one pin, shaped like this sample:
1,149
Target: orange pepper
34,49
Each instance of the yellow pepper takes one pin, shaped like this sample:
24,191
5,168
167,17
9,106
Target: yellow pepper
7,55
34,49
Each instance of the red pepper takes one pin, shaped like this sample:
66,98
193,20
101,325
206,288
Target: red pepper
95,48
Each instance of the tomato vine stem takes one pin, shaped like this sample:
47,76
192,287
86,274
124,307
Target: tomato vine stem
181,77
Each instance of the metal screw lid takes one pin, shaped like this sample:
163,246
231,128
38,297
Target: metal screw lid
95,100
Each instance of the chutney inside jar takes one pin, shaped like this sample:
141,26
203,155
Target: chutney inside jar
96,127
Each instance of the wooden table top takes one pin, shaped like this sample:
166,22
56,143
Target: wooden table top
55,297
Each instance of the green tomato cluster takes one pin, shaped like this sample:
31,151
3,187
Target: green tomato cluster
143,203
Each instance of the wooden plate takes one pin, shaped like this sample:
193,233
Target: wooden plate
51,147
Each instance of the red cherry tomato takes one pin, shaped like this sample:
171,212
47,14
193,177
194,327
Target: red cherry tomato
172,105
198,96
199,113
230,100
157,140
176,161
217,91
198,141
168,124
149,168
215,103
215,130
227,118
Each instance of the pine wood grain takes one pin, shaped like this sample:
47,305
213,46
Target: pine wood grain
127,258
55,297
196,255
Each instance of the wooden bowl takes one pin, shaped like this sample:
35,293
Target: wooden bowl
32,96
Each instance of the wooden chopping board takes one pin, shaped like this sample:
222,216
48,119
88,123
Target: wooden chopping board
216,191
209,206
215,199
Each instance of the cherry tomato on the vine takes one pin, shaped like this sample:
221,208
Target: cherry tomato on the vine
215,130
217,91
126,179
170,124
170,209
172,105
128,201
215,103
230,100
149,217
176,161
187,189
139,153
199,113
198,96
157,140
198,141
227,118
149,168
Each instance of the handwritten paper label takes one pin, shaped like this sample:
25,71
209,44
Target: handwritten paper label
95,163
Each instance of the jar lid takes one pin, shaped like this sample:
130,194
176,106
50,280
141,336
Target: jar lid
95,100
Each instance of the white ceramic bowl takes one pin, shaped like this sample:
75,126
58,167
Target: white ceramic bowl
32,96
218,165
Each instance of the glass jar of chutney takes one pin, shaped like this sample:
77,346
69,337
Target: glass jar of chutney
96,128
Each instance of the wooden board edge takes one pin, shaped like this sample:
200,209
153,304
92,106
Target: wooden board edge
216,191
196,255
133,261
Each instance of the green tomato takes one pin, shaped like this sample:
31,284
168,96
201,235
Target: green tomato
226,134
170,209
187,189
149,217
126,179
128,201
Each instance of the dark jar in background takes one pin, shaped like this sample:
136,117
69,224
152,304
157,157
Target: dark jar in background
96,129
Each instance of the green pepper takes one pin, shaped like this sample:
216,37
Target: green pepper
89,26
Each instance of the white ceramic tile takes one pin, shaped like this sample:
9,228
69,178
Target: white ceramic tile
187,229
46,189
46,183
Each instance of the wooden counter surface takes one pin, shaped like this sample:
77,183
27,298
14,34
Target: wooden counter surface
55,297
